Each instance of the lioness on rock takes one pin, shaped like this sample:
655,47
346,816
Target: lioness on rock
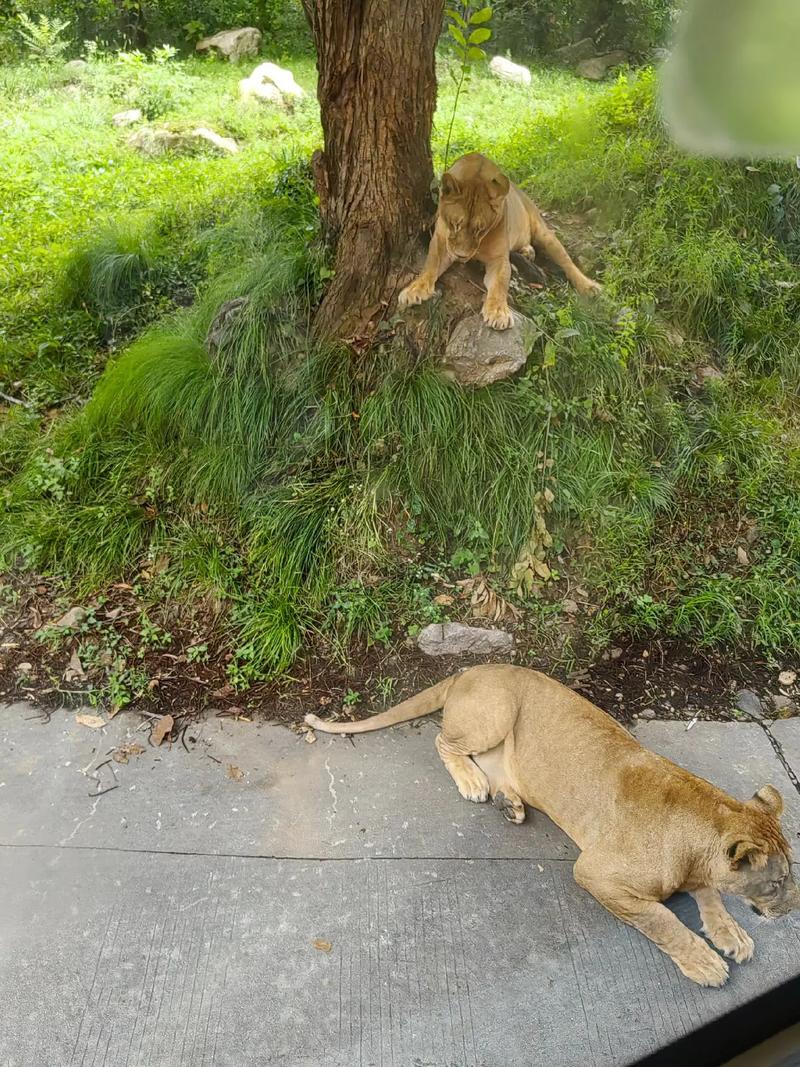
646,827
483,216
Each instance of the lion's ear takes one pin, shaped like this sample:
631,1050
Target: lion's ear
768,799
744,851
499,186
450,186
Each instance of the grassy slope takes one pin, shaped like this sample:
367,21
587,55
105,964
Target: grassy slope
316,494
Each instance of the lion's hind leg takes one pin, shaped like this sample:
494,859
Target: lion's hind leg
504,797
471,781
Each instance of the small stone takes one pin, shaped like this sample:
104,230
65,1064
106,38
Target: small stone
787,678
615,653
127,118
784,703
749,703
569,607
478,355
647,713
74,617
510,72
456,639
24,668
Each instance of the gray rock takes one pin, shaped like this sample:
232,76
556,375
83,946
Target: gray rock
223,328
478,355
75,65
575,52
647,713
596,68
127,118
749,703
509,72
784,705
456,639
234,44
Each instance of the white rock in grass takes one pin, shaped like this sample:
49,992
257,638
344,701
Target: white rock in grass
266,80
224,144
510,72
127,118
235,44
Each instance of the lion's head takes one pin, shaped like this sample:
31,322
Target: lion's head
469,210
757,859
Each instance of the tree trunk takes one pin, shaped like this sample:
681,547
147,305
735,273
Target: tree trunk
377,93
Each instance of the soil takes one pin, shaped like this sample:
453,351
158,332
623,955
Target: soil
660,678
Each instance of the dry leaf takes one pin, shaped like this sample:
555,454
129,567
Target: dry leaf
325,700
787,677
742,556
541,568
321,946
74,671
310,736
162,727
94,721
443,598
485,602
569,607
130,748
234,772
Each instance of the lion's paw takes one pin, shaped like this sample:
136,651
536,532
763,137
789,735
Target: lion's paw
731,939
497,316
416,293
705,967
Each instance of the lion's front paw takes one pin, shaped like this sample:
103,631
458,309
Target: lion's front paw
704,966
730,938
498,316
510,807
587,286
417,292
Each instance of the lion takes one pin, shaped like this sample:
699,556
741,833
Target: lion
483,216
646,828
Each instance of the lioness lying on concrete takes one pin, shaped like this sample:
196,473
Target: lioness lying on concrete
483,216
646,828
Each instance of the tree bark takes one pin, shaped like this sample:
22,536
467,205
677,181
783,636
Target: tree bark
377,93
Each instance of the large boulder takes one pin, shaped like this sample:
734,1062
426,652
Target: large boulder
510,72
596,68
574,53
154,142
270,83
456,639
234,44
478,355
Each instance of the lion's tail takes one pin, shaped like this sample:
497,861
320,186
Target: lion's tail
423,703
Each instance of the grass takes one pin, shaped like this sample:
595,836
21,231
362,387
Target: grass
317,494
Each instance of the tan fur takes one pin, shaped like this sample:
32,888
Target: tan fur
646,827
483,216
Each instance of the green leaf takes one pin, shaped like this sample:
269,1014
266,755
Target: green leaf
476,53
549,355
479,36
456,17
456,33
483,15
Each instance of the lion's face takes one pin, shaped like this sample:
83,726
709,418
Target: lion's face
469,211
757,859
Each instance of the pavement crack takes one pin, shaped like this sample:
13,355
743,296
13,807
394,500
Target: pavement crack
64,841
332,792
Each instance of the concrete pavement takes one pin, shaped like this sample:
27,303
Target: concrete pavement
260,900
